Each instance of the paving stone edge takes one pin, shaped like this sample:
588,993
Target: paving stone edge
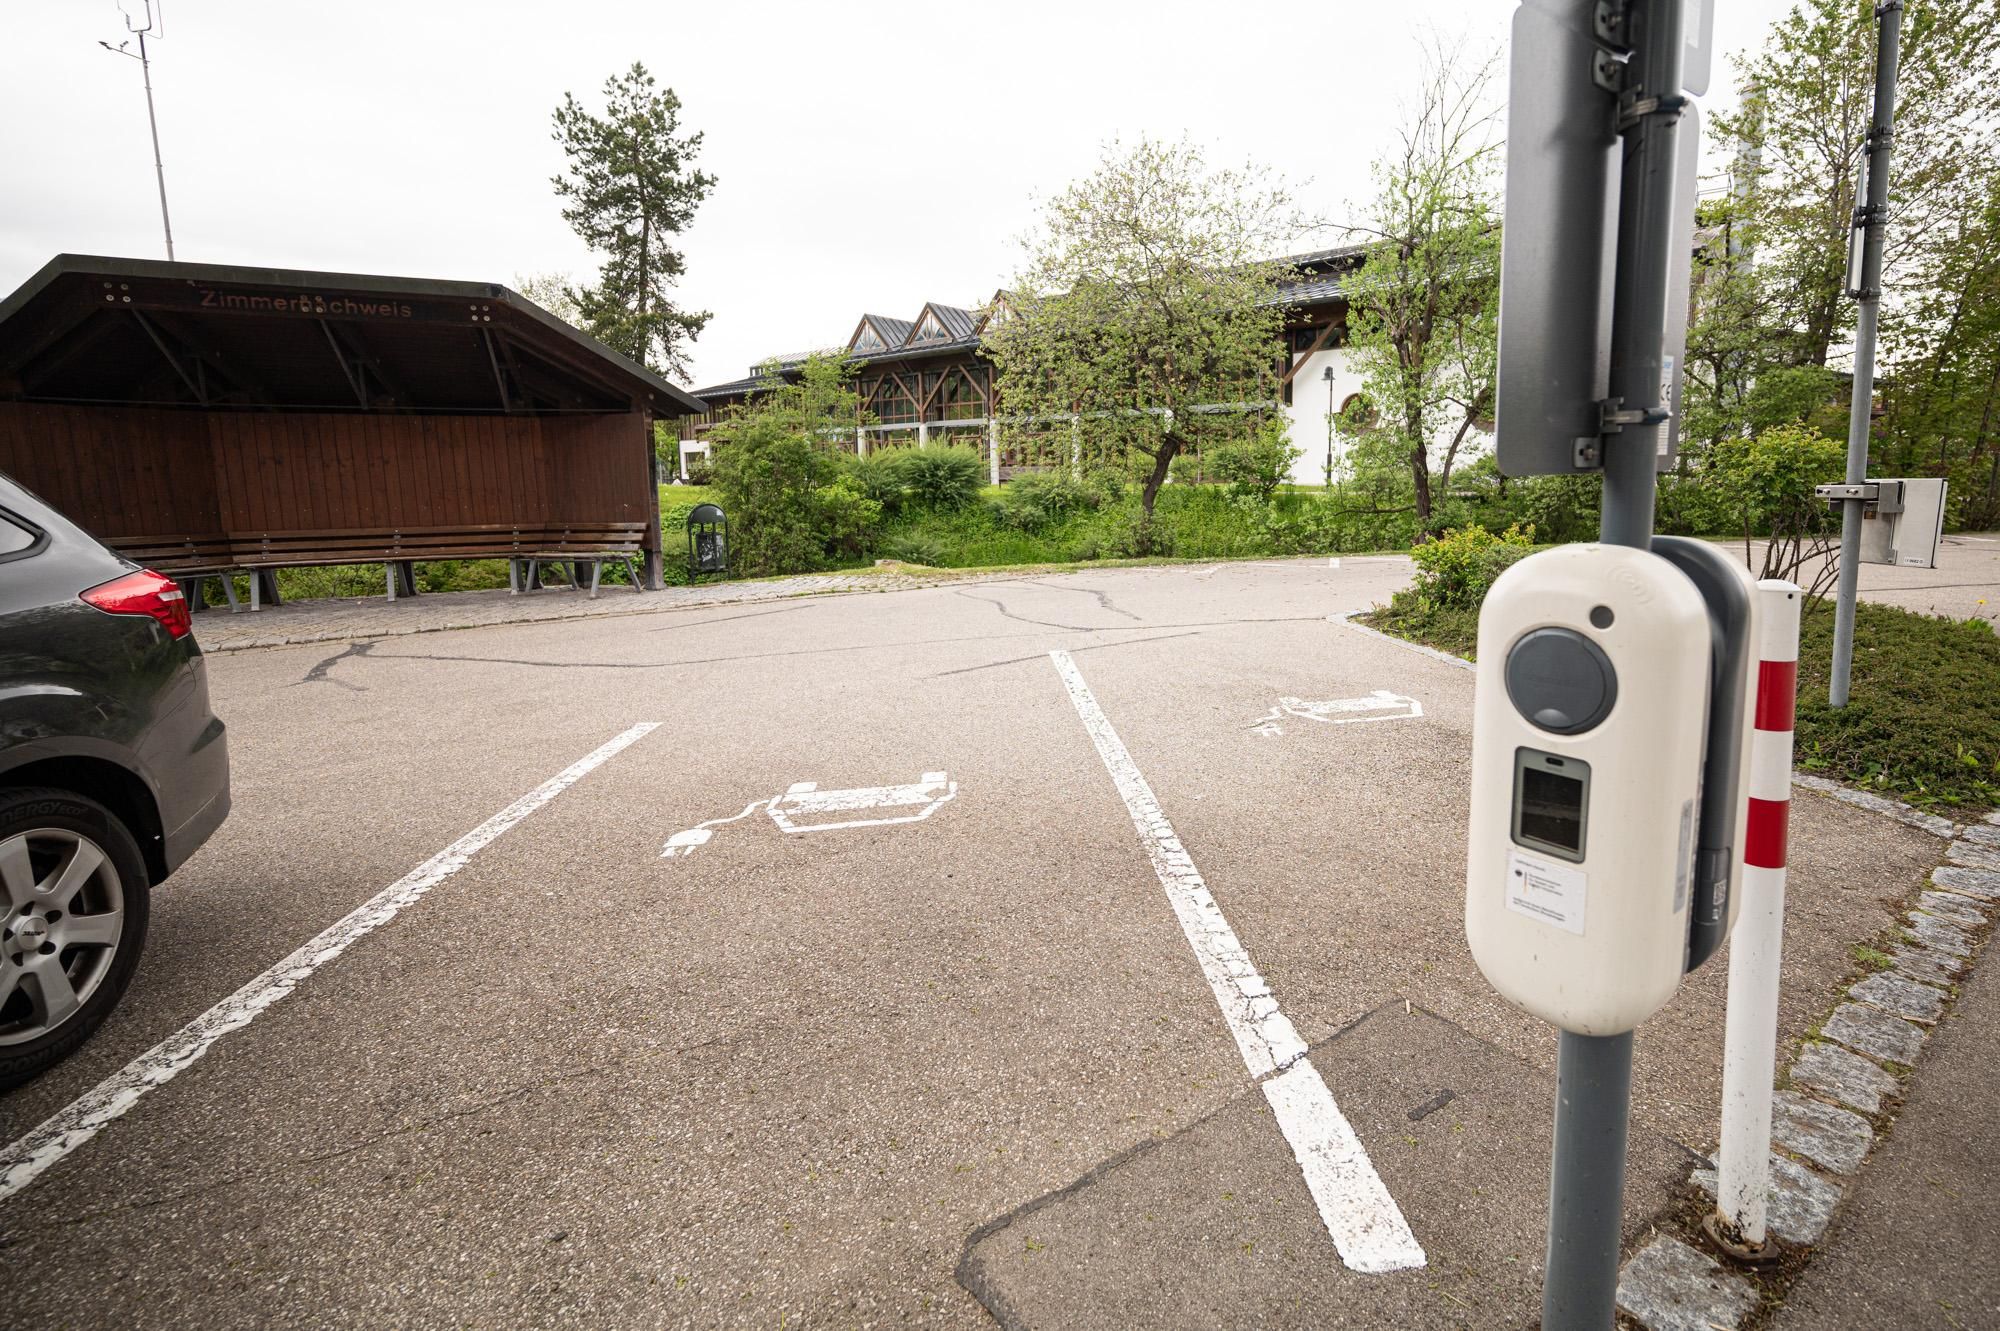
1669,1283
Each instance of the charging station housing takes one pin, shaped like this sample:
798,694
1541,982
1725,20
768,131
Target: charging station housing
1589,731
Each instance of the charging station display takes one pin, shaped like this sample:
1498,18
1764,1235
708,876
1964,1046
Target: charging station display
1551,799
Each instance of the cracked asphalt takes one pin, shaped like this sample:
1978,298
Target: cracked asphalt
955,1072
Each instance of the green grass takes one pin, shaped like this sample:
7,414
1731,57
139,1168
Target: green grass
1447,629
1922,721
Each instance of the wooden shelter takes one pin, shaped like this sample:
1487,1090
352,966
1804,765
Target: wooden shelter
201,418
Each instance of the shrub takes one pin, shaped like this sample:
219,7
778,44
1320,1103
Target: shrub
845,520
916,548
1256,466
1040,500
1454,571
699,470
878,475
942,479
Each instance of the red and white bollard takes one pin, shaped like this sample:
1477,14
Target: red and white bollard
1750,1042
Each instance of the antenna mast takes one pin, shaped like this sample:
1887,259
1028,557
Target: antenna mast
155,25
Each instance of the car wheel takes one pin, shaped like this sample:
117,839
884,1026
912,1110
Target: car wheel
73,889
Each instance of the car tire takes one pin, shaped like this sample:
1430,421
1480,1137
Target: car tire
83,936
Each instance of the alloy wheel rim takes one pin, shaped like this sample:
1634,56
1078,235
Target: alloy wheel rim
63,923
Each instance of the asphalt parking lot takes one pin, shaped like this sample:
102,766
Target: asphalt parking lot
967,1032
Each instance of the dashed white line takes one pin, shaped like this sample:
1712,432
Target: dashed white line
70,1127
1360,1216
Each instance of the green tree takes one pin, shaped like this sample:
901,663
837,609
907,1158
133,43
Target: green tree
778,467
1423,310
1804,130
1148,293
631,187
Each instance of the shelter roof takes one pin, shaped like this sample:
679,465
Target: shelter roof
88,328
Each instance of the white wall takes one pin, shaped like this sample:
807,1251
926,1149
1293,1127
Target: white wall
1308,412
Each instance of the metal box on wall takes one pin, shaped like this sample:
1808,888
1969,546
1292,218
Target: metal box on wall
1902,522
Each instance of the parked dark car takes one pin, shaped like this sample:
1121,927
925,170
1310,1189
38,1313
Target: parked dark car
113,771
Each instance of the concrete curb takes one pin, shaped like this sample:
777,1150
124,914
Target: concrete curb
1824,1128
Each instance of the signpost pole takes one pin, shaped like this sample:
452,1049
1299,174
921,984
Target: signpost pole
1865,284
1594,1073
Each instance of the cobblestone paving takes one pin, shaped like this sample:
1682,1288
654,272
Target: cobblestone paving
347,619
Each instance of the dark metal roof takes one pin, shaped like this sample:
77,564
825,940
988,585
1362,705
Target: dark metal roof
958,323
893,331
1317,283
89,328
736,387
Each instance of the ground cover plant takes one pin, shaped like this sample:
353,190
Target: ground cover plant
1922,721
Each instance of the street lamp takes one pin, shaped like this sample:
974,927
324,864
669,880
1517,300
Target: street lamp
146,68
1327,374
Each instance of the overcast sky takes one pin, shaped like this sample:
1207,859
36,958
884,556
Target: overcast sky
871,156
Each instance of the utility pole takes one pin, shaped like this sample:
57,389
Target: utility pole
154,26
1864,283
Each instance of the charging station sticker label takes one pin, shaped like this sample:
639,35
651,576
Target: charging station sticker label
1551,893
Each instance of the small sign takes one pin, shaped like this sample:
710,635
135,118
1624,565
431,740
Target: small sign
1551,893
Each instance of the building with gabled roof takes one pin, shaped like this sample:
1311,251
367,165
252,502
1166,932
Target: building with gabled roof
925,378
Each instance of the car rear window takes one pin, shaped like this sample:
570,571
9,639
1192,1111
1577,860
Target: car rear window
16,538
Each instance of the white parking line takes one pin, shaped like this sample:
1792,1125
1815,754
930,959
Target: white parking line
1362,1218
72,1126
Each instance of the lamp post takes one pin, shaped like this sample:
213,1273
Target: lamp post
146,74
1327,374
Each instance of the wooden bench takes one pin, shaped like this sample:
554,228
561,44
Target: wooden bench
577,543
188,560
526,548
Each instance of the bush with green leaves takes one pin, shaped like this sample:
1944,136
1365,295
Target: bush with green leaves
1454,571
1256,466
942,479
878,475
781,482
917,548
1040,500
848,522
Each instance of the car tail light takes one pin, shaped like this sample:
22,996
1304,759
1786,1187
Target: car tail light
144,593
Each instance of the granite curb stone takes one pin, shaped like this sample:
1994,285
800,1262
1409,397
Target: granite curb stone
1923,964
1900,996
1867,1031
1800,1202
1982,883
1935,932
1830,1137
1952,906
1672,1287
1847,1077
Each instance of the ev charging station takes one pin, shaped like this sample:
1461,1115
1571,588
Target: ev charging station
1615,701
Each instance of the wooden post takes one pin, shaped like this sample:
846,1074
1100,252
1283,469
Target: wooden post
655,573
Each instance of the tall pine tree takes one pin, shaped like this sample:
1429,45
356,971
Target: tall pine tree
630,189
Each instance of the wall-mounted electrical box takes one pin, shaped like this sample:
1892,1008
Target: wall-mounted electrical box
1902,521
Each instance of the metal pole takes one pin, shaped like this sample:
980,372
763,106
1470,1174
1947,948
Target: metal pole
1868,288
1329,428
159,170
1587,1181
1594,1072
1750,1038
